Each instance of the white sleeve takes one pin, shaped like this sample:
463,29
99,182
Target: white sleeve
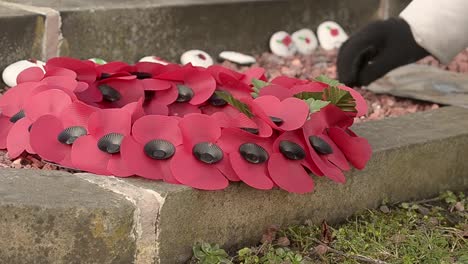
439,26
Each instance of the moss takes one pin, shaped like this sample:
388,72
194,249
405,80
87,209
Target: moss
430,231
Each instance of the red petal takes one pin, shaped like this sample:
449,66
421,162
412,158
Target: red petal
152,127
48,102
254,73
279,92
86,72
289,175
189,171
198,128
232,138
117,167
90,95
65,82
31,74
215,70
322,163
337,157
166,97
203,86
81,87
77,114
154,108
176,72
229,110
43,138
57,71
133,155
225,167
86,156
182,109
155,85
254,175
5,126
239,120
12,100
334,116
107,121
288,82
112,67
18,138
356,149
293,111
136,109
130,91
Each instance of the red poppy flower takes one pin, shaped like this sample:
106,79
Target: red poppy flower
324,153
152,145
200,162
289,114
85,70
99,151
248,155
113,92
52,136
49,102
287,162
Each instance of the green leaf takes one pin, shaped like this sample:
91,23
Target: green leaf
316,105
309,95
325,79
242,107
257,86
341,98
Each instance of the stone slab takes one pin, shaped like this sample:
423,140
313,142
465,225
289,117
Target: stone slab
55,217
415,157
424,83
21,36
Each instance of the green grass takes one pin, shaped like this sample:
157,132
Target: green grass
430,231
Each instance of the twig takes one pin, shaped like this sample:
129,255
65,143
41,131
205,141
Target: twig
356,257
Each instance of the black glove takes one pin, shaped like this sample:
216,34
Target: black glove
375,50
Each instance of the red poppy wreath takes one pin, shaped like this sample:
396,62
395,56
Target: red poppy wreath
200,127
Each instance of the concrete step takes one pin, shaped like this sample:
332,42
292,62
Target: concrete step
56,217
129,30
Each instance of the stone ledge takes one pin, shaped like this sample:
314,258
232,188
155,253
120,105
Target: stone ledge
55,217
415,156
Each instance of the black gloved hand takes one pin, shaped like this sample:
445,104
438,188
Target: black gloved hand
375,50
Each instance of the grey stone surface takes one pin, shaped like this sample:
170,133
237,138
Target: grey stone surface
425,83
20,37
55,217
396,6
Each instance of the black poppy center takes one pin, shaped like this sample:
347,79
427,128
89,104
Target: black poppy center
291,150
17,116
185,93
159,149
207,152
110,143
70,134
278,121
216,100
320,145
142,75
250,130
253,153
108,93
